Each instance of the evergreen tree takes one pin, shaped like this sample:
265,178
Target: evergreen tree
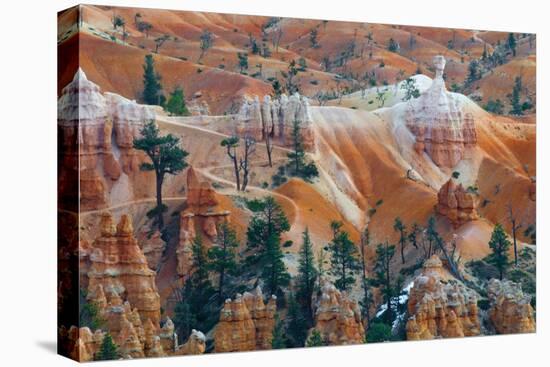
107,350
278,340
379,332
176,103
432,235
413,234
473,72
307,275
243,61
297,162
200,261
344,262
515,97
152,89
382,275
206,41
264,241
393,46
297,323
500,245
315,340
398,226
411,89
222,255
166,158
511,42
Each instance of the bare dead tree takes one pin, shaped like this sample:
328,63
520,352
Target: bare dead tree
269,142
515,227
249,149
159,41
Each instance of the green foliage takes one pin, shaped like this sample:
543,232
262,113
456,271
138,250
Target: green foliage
277,88
515,97
344,257
474,72
411,89
393,46
307,275
264,243
152,89
243,61
379,332
315,340
511,43
499,245
399,227
313,38
221,255
531,232
89,314
297,165
108,349
279,339
494,106
297,324
176,103
456,174
382,275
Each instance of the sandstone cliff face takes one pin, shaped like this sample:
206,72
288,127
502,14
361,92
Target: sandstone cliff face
85,344
437,120
152,246
96,133
511,311
196,344
338,318
246,323
202,215
440,308
275,118
456,203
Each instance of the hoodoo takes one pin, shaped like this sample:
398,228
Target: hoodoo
438,122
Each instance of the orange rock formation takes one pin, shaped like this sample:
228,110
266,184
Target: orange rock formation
246,323
338,318
457,203
511,310
440,308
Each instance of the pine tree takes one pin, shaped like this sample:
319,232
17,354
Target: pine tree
398,226
512,43
344,262
515,97
500,246
200,261
166,158
307,275
382,275
176,103
108,349
222,255
274,272
315,339
278,340
231,144
297,323
296,158
151,82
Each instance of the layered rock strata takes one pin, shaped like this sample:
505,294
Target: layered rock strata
439,124
338,318
456,203
96,133
275,118
510,311
202,215
439,308
246,323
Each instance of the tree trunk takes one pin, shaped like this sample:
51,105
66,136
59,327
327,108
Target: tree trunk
268,148
237,176
515,244
402,251
160,218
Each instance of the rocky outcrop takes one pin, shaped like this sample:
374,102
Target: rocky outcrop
196,344
456,203
152,246
96,133
440,308
118,265
202,215
275,118
338,318
438,122
85,343
246,323
510,311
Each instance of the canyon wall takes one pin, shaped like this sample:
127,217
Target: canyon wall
456,203
510,311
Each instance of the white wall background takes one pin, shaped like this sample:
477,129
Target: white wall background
28,182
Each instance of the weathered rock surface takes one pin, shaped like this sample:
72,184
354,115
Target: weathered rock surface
439,308
196,344
275,118
511,311
85,343
152,246
456,203
440,126
338,318
246,323
202,215
119,266
96,133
